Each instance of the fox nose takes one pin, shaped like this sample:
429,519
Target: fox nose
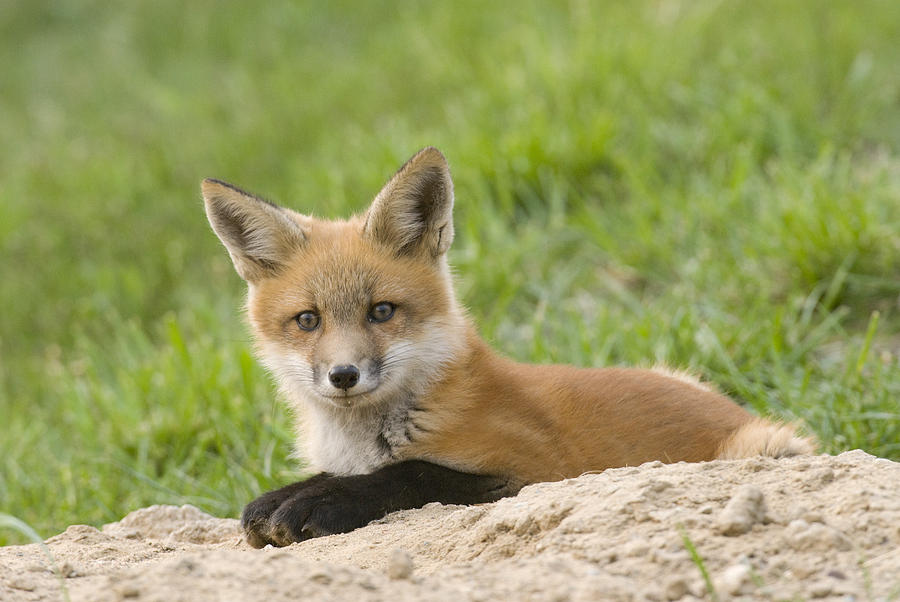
344,377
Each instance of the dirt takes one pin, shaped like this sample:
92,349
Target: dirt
823,527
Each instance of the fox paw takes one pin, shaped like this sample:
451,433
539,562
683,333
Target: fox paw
328,504
320,506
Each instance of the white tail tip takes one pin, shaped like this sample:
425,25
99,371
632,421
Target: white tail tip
759,437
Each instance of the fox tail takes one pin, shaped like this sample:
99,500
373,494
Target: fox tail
760,437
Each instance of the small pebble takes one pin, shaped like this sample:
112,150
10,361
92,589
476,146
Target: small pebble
746,508
129,591
400,564
676,589
812,517
657,485
822,476
125,533
321,575
816,536
19,583
735,580
67,570
635,547
821,589
366,584
650,594
185,566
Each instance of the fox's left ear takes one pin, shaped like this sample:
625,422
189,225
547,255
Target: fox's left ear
413,213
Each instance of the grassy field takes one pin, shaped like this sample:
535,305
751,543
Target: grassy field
712,185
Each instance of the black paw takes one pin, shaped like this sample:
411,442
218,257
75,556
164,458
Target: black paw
325,508
327,504
256,517
322,505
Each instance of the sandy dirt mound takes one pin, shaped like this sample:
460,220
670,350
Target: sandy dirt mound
825,527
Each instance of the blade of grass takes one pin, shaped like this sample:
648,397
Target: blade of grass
698,561
8,521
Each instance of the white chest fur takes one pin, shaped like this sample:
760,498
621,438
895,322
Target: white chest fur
343,441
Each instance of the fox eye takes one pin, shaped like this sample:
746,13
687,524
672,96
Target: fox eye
381,312
307,320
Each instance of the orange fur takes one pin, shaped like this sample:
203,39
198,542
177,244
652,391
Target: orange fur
544,423
452,400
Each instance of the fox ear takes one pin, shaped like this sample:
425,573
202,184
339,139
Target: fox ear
259,236
413,213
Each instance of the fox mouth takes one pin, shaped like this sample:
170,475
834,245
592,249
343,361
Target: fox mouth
346,394
342,398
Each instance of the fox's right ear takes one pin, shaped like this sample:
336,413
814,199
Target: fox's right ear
259,236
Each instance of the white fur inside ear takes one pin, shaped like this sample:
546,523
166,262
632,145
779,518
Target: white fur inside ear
258,235
414,211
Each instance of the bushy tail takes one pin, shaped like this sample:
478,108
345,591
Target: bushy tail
760,437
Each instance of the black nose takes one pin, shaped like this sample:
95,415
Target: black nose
344,377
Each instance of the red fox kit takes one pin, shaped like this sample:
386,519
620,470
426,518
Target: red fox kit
400,403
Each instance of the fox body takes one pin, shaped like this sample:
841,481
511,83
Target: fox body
394,389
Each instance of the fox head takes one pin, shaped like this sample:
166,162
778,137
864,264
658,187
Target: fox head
356,313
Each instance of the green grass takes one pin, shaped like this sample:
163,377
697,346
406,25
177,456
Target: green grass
697,559
713,185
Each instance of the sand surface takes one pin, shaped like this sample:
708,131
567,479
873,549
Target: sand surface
825,527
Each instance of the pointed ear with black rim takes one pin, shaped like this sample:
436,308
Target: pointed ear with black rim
259,236
413,213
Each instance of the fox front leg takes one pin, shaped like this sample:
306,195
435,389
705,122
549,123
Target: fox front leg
326,504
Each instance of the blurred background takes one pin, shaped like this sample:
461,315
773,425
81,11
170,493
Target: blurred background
710,185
